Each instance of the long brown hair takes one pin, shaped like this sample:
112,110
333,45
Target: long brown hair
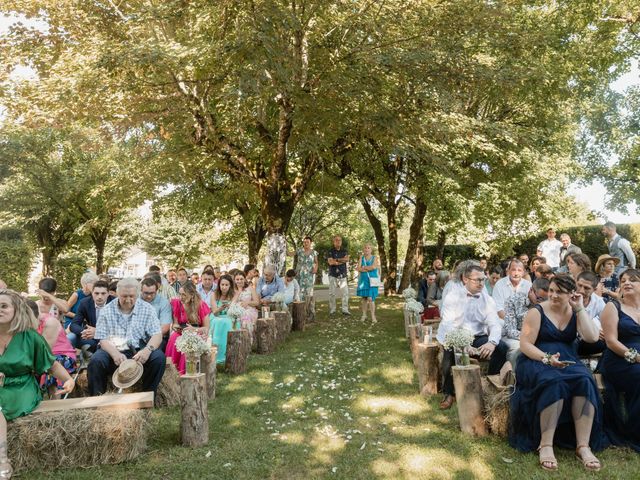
192,305
23,317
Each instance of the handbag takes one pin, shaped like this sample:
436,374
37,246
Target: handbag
374,282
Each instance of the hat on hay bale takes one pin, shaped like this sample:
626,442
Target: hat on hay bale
605,258
127,374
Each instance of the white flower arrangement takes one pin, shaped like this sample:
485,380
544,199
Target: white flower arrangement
278,297
236,311
458,338
192,343
409,293
414,306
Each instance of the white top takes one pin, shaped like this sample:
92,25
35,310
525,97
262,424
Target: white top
503,289
551,251
449,287
595,307
476,313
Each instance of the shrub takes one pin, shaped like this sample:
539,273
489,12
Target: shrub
452,254
16,259
69,270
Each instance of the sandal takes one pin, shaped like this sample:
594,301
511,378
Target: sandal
550,461
589,461
5,470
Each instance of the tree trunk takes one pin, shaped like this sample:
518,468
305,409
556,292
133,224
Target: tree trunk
255,237
392,272
378,231
238,348
442,238
99,239
194,425
414,248
468,387
49,260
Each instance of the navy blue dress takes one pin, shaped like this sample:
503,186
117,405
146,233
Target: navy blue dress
539,385
622,387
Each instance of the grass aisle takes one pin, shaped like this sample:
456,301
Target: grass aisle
338,401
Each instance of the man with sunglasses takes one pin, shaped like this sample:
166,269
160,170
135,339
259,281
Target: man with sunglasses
471,308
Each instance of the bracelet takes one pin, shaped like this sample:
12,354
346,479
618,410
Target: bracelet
631,355
546,359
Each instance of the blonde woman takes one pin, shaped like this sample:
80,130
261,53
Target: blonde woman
368,281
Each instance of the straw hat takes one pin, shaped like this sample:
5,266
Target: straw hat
128,373
605,258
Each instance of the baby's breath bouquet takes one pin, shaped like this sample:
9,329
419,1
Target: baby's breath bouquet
414,306
278,299
459,339
409,293
193,345
236,312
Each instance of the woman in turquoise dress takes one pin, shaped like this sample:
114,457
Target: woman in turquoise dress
222,324
23,353
369,266
620,366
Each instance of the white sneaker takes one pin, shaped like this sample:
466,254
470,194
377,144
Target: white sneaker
363,318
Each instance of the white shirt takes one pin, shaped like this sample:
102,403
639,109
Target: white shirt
595,307
475,313
503,289
551,251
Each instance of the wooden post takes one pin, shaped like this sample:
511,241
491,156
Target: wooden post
414,339
407,318
468,387
283,326
238,348
428,368
194,425
266,335
299,316
169,388
208,367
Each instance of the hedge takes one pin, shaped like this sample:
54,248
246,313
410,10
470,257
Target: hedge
16,259
68,271
452,254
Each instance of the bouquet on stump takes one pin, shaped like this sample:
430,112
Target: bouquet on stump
236,312
278,299
192,345
409,294
460,341
415,308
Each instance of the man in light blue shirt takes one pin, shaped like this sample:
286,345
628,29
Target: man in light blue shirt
149,292
269,284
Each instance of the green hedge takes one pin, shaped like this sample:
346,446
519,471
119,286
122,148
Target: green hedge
452,254
16,259
69,269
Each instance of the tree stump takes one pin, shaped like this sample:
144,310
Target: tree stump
283,326
169,389
428,368
266,335
299,316
208,368
414,339
194,425
407,321
468,387
238,348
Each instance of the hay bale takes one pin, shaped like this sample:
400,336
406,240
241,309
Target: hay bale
77,438
496,405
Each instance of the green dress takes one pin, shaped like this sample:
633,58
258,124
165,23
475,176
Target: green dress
26,356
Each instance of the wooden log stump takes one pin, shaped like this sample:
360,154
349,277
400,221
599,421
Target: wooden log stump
283,326
414,339
428,357
407,321
468,387
266,335
208,368
299,316
238,348
169,388
194,424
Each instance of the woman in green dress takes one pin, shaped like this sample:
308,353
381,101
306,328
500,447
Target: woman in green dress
23,353
221,323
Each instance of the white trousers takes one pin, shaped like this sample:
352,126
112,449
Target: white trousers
342,285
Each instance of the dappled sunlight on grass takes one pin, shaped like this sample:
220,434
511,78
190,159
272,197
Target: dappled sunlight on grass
294,402
292,438
325,445
252,400
399,405
395,375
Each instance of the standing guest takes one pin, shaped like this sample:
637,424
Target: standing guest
23,353
578,263
619,247
338,258
437,265
172,280
557,401
369,266
128,328
512,283
269,284
247,296
494,275
566,249
149,292
48,302
291,287
206,289
83,325
524,258
183,278
550,249
470,307
594,304
306,270
609,283
485,265
86,285
620,366
221,323
189,313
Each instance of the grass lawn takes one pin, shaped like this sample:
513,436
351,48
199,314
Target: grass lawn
338,401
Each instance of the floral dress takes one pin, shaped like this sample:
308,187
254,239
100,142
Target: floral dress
248,321
304,271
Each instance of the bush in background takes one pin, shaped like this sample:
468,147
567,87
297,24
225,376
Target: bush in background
16,258
69,269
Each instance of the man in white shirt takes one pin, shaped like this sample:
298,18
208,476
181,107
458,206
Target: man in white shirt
550,249
594,305
514,282
472,308
619,247
207,288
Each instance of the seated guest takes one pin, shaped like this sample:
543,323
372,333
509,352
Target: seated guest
428,279
533,266
430,295
183,277
620,366
245,294
113,289
128,327
83,325
578,263
150,293
48,303
86,283
23,353
594,304
543,271
556,401
291,287
251,273
221,323
207,288
455,281
539,291
515,308
195,278
189,313
609,283
512,283
172,280
495,274
269,284
472,308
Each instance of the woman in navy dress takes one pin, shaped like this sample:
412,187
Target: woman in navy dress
556,400
620,365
